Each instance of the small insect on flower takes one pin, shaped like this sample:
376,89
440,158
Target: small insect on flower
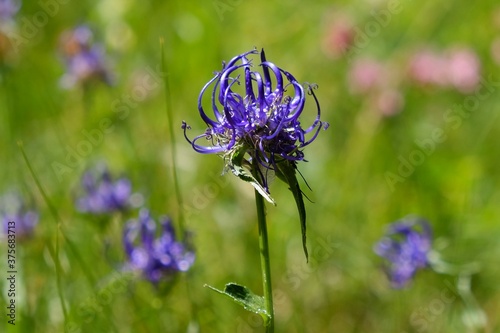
14,212
158,255
260,125
103,194
406,247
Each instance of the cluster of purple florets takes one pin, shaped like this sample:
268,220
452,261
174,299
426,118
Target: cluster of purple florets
262,119
17,215
84,59
153,251
158,257
9,8
406,247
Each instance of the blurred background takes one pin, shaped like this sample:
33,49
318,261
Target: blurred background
411,93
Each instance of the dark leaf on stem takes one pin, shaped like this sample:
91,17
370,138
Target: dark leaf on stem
286,171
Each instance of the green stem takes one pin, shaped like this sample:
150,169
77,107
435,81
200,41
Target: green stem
172,142
178,194
265,261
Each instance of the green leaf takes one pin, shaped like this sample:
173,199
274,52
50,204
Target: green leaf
244,297
236,166
286,171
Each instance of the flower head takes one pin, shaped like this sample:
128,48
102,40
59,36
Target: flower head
406,246
158,257
261,119
16,216
103,194
85,61
8,8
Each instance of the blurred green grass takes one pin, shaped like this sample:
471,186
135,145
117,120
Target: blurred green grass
343,289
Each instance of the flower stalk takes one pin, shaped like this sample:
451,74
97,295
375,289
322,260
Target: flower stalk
253,124
265,261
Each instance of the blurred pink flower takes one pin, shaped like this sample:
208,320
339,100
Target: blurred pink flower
458,68
339,37
463,70
389,102
376,80
428,67
365,75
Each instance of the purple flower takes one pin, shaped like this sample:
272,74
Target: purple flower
8,8
406,246
160,256
262,119
84,60
16,217
103,194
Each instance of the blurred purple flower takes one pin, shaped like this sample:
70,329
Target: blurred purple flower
77,40
261,121
158,257
85,61
9,8
406,247
13,209
103,194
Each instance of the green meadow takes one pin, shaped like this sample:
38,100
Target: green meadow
396,146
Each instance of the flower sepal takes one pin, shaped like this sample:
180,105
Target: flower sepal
237,162
246,298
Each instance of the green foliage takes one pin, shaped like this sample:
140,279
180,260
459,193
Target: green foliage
286,171
244,297
342,288
237,167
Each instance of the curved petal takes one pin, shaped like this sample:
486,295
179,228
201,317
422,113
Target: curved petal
277,74
264,116
206,149
203,115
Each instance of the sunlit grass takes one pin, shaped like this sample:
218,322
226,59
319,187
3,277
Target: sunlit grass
343,288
